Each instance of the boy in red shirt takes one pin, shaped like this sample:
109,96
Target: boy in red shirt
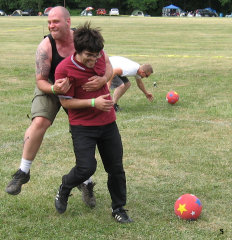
92,119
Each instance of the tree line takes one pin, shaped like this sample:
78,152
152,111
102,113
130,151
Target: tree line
150,7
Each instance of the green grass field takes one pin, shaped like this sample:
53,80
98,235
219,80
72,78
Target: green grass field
168,150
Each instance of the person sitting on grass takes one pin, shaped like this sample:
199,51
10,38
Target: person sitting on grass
92,120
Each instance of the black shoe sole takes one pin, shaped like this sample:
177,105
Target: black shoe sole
14,193
17,192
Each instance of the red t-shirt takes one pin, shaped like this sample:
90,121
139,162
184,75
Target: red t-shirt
79,75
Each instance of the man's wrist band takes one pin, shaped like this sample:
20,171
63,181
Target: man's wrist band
93,102
52,87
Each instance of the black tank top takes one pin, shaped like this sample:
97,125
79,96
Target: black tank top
56,59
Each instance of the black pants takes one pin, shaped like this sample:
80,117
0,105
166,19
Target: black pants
108,141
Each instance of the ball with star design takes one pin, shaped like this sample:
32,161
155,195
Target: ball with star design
188,207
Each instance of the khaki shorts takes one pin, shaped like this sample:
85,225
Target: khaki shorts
44,105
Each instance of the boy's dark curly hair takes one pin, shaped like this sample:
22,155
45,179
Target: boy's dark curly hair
88,39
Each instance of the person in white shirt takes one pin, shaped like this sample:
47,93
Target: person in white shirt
122,69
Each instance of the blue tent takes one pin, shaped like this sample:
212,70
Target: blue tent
171,10
172,7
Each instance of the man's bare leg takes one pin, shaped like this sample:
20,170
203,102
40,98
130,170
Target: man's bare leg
34,136
32,141
119,92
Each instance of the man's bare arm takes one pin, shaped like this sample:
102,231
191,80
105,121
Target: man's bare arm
116,71
141,86
43,67
109,69
42,64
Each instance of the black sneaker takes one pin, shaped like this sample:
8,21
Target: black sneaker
88,194
61,200
117,108
15,185
121,216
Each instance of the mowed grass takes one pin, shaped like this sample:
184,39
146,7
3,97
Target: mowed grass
168,150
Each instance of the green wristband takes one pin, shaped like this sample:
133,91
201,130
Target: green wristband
93,102
52,87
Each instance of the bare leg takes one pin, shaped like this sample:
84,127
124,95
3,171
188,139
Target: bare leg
32,141
119,91
34,136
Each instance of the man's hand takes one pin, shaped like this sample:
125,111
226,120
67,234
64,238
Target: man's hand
94,83
62,85
149,97
104,104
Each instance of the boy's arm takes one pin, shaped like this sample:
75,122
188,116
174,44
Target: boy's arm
101,103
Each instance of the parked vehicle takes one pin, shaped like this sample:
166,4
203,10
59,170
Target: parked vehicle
101,11
2,13
29,12
229,15
205,13
114,12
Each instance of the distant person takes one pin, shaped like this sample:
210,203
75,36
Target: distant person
45,106
123,68
92,120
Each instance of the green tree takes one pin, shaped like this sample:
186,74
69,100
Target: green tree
144,5
9,6
226,5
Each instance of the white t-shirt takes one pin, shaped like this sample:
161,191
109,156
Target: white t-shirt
129,67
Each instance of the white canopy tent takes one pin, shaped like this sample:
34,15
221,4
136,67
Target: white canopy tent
171,10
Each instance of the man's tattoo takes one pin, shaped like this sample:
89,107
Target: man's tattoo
41,67
27,138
